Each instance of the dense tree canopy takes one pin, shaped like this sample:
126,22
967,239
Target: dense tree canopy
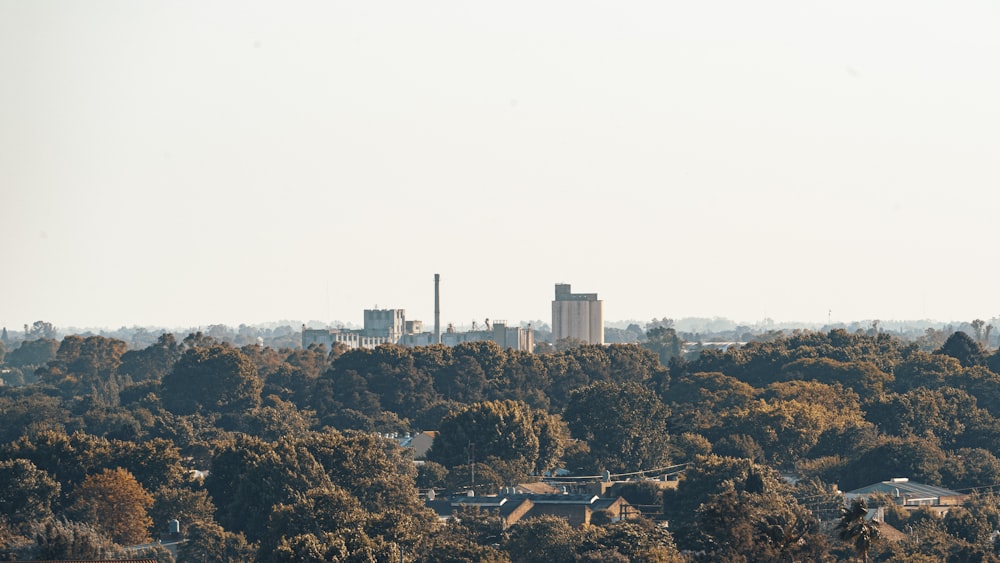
502,430
27,493
625,426
297,442
219,379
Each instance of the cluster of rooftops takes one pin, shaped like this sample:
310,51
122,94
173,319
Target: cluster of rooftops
535,499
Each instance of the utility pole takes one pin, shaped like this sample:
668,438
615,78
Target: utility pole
472,464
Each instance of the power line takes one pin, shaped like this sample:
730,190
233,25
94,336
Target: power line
667,470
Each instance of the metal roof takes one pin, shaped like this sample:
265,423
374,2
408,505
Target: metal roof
905,488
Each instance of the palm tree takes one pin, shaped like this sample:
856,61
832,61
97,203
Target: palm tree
856,529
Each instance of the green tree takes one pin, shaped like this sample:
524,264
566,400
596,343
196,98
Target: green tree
26,492
33,353
84,360
553,435
501,429
249,476
391,373
431,475
379,473
785,430
735,509
63,540
461,477
216,379
916,458
699,399
464,380
738,445
295,379
450,545
964,349
864,377
207,541
977,327
663,342
944,414
525,378
187,504
644,494
544,539
574,368
976,520
922,369
631,362
967,468
275,419
40,329
30,410
67,458
155,462
639,540
625,426
327,510
152,362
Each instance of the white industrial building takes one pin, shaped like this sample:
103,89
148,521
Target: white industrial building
389,326
578,316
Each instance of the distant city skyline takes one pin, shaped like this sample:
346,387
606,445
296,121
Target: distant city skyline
184,163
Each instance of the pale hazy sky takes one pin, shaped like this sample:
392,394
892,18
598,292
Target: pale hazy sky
180,163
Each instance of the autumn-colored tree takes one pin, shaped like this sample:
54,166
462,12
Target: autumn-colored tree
116,504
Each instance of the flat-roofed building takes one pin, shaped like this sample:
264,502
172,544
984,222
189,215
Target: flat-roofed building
577,316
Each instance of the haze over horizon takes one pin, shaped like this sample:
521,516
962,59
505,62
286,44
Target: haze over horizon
180,164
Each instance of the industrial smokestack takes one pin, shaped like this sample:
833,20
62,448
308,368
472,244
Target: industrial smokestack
437,308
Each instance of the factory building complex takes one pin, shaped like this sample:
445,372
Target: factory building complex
576,316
